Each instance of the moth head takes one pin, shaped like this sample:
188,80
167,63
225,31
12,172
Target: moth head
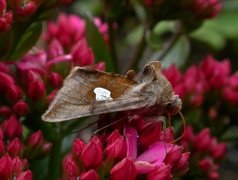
174,105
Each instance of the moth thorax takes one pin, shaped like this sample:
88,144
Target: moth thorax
102,94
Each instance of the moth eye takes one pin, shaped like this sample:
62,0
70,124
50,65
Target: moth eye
102,94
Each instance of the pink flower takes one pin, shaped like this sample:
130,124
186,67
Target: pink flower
36,90
174,155
207,8
78,147
21,108
89,175
6,18
182,165
6,167
25,175
150,133
215,72
1,146
218,150
163,172
116,149
91,155
68,30
125,169
27,9
12,127
230,90
82,54
19,165
55,80
5,111
35,139
70,168
203,140
14,148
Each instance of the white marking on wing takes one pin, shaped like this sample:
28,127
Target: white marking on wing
102,94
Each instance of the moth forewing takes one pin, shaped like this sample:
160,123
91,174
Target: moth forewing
79,95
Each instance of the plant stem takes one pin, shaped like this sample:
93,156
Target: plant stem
112,45
55,159
139,51
172,41
170,44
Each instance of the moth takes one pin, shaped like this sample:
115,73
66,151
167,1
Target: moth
87,91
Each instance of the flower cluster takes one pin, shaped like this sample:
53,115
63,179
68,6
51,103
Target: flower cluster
27,86
21,10
206,152
14,153
142,150
199,80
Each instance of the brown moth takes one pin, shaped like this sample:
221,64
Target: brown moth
87,92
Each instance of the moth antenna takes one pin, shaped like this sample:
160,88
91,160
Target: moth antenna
164,129
85,127
184,124
108,125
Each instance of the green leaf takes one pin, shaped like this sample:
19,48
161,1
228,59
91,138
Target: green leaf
209,36
163,27
27,40
177,54
215,32
154,40
134,35
96,42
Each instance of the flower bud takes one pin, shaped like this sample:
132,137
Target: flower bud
14,147
46,148
55,49
6,167
218,150
27,9
82,54
6,21
12,92
3,6
1,134
92,154
51,96
174,155
5,79
100,66
125,169
1,146
78,146
18,165
182,166
55,80
3,67
150,133
36,90
70,168
205,164
116,149
89,175
12,127
113,136
36,139
21,108
167,135
203,140
25,175
213,175
161,173
5,111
